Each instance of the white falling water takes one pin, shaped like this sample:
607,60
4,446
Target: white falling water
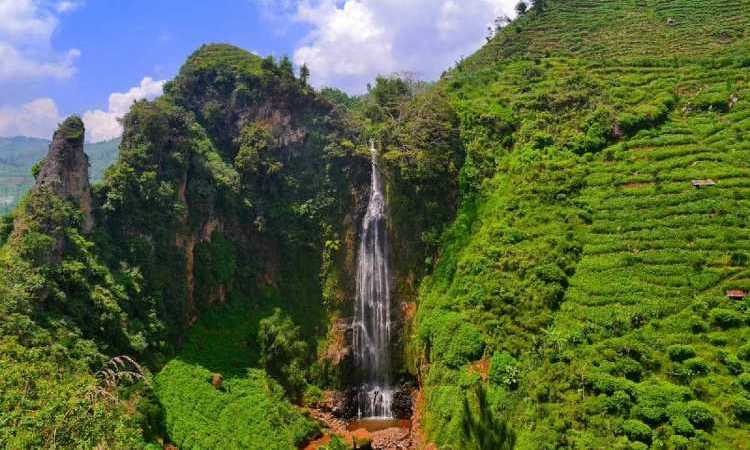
372,308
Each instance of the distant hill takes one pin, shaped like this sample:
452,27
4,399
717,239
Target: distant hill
18,155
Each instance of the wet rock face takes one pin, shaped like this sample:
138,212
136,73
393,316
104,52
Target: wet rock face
345,406
402,406
65,170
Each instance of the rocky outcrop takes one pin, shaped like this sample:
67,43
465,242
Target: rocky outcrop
65,170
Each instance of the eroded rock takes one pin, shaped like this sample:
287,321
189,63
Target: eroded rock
65,170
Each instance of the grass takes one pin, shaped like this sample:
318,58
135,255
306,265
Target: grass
250,410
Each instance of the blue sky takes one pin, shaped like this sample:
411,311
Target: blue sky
95,57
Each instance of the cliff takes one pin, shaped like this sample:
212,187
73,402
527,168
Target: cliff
65,169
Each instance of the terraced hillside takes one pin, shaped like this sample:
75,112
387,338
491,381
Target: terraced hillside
660,29
580,297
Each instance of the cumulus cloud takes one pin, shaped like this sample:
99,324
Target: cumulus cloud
26,51
38,118
104,125
352,41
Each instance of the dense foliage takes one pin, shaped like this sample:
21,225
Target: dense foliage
232,185
583,268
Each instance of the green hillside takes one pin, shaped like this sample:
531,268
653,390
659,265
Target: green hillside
18,155
592,272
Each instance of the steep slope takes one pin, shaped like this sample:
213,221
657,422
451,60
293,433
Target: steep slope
579,297
233,197
18,155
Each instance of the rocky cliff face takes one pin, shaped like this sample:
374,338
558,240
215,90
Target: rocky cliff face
65,170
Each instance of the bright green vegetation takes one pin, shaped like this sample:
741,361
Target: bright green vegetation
17,158
213,210
249,409
582,261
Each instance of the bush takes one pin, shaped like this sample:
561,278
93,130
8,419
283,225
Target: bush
697,325
725,318
452,340
678,442
697,367
741,408
637,430
504,370
680,353
682,425
618,403
699,414
744,352
734,365
608,384
654,399
336,444
744,381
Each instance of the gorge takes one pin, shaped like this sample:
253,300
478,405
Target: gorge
525,253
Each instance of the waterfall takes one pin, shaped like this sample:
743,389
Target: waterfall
372,308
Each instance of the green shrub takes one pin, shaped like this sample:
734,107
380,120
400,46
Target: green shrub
697,325
452,340
725,318
733,363
682,425
637,430
680,353
504,370
744,381
336,444
653,399
699,414
678,442
741,408
697,366
744,352
618,403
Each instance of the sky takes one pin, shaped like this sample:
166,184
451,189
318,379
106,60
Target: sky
94,58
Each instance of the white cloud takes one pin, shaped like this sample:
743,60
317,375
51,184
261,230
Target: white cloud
38,118
104,125
67,6
15,65
353,41
26,52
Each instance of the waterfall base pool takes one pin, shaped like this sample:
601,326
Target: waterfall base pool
373,424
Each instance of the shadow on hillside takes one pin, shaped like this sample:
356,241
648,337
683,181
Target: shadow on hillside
481,426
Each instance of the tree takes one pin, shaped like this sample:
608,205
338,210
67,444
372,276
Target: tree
521,8
286,67
282,351
304,74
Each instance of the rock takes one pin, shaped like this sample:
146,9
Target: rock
217,380
402,404
671,22
65,170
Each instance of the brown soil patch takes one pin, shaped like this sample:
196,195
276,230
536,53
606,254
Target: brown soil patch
482,367
637,185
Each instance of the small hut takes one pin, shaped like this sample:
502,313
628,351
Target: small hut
703,183
736,294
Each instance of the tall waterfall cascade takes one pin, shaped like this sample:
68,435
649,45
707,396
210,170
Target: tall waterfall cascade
372,307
